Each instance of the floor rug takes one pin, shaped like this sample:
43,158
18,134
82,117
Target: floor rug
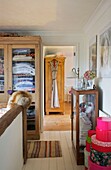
43,149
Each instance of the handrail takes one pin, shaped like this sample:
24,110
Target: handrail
8,117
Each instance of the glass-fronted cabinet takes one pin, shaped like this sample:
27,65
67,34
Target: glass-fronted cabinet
3,73
84,104
22,66
23,78
31,121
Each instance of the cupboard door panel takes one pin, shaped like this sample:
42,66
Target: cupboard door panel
49,82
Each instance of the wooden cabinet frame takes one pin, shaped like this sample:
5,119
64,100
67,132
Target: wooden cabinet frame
75,124
4,96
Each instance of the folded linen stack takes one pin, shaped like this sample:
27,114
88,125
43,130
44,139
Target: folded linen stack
100,153
84,127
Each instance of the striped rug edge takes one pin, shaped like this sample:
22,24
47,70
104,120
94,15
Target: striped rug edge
43,149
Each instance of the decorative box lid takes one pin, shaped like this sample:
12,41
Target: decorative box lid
104,123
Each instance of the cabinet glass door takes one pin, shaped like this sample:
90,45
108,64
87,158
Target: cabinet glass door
2,76
86,117
23,69
74,119
23,77
31,118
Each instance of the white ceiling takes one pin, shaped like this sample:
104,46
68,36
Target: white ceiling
46,15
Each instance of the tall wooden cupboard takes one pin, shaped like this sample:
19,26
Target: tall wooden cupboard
20,70
60,83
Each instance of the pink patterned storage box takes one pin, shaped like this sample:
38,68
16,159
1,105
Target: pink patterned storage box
103,129
104,123
93,166
103,135
100,145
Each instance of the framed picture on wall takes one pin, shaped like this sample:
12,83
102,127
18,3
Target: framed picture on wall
93,56
105,54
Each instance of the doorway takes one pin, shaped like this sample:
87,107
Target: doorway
57,121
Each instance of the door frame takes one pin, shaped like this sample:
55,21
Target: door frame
74,47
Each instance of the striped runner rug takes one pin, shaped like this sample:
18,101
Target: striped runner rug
43,149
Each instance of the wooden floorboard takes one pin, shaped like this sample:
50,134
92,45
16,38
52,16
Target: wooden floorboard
45,164
58,121
66,162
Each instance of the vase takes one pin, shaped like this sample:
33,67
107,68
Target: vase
90,84
85,84
79,84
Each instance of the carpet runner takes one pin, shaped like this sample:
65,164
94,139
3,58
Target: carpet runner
43,149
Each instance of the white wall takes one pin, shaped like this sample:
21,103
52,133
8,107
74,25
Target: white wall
100,21
70,59
69,40
65,39
11,151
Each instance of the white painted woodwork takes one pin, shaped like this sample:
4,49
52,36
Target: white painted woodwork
11,147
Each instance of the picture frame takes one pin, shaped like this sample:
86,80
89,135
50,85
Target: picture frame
93,56
105,54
